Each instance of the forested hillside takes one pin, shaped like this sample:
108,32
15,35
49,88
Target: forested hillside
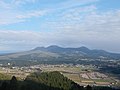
45,81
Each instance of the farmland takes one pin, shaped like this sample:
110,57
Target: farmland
81,74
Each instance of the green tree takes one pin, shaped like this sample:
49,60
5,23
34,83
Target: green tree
4,86
13,83
88,87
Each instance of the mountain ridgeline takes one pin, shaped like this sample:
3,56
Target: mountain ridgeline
55,54
82,51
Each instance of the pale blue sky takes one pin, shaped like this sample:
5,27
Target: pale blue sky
26,24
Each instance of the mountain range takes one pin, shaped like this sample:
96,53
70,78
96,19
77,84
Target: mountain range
55,52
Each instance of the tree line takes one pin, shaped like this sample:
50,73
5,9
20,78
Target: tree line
45,81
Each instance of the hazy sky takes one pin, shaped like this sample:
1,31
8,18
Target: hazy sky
26,24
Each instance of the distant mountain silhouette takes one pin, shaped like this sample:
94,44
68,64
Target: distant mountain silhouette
81,50
55,52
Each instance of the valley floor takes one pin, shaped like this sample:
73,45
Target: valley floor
81,74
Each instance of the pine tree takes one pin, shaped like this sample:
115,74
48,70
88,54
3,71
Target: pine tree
13,83
88,87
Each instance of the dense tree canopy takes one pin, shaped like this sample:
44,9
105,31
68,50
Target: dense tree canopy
45,81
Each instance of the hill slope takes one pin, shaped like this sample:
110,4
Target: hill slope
45,81
56,53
